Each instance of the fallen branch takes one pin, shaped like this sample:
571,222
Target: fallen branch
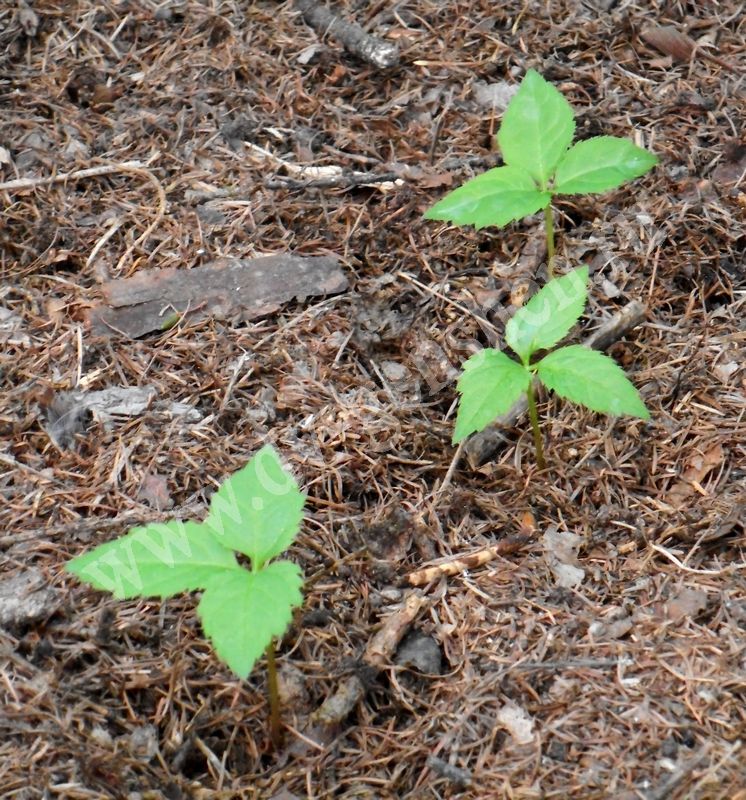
375,51
422,577
483,446
378,654
348,180
78,174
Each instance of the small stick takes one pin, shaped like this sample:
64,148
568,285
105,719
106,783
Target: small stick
378,652
345,181
61,177
375,51
422,577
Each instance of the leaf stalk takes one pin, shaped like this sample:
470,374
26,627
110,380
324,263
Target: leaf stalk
534,417
549,230
275,730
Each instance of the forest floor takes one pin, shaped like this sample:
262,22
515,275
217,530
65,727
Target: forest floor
602,653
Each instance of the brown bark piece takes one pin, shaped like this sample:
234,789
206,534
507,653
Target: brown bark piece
155,300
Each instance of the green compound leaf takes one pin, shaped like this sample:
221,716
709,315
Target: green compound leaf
591,379
496,197
548,315
600,164
489,385
243,611
159,560
537,128
258,510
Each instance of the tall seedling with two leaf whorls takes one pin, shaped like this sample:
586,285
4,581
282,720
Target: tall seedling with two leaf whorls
492,381
534,138
256,512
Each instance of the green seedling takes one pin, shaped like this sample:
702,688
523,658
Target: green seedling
492,383
256,512
534,138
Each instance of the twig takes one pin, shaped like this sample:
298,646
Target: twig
680,564
61,177
375,51
347,180
482,446
422,577
456,775
381,647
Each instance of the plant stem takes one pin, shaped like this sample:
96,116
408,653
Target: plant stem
534,417
549,229
275,732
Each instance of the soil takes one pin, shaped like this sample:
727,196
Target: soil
599,649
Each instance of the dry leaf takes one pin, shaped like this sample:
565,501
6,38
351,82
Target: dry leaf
55,308
696,471
517,722
560,553
436,180
154,492
733,165
687,603
668,40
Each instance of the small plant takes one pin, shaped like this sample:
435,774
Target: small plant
492,382
257,512
534,139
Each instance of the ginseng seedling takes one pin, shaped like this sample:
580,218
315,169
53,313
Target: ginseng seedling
492,382
534,138
257,512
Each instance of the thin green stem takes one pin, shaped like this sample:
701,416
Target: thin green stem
534,417
275,732
549,229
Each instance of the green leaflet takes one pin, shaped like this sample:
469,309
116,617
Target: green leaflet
591,379
159,560
258,510
548,315
536,131
600,164
489,385
243,611
537,128
496,197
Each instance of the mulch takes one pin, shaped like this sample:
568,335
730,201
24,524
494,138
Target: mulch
236,130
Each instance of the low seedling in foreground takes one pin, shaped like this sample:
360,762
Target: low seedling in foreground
256,512
534,139
492,382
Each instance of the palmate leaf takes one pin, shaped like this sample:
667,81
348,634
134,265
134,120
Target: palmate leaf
489,385
548,315
496,197
258,510
243,611
159,560
536,129
591,379
600,164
